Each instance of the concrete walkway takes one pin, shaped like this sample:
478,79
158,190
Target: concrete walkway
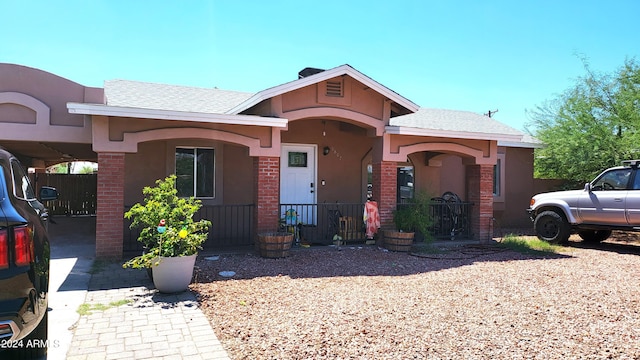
124,316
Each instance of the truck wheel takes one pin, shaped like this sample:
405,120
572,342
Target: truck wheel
594,236
551,227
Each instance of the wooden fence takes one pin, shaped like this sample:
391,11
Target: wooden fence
77,193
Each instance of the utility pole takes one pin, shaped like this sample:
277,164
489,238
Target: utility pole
489,113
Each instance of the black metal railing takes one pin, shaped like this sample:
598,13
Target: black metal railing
451,220
231,226
319,223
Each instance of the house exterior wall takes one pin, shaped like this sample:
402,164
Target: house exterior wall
34,117
135,152
341,168
266,193
238,175
123,129
358,98
110,205
518,189
143,169
155,160
51,90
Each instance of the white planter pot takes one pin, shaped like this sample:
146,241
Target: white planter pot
173,274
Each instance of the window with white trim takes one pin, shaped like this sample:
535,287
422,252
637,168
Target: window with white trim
195,168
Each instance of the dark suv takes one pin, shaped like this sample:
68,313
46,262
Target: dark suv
24,263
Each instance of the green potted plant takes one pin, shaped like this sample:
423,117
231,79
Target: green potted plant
415,216
170,236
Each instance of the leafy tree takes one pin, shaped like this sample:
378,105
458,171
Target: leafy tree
591,126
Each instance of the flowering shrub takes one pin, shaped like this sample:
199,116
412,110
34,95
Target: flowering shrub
166,224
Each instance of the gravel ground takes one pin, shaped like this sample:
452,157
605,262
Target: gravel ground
468,302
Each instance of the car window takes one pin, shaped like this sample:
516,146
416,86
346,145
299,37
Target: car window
2,194
21,184
636,182
613,180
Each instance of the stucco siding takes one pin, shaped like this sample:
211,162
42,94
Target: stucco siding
52,90
341,168
237,175
143,169
358,98
518,189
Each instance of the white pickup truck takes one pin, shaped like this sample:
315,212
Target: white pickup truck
610,202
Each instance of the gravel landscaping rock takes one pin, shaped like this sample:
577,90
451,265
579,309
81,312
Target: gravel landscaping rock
467,302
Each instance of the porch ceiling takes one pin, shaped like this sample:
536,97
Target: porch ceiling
50,152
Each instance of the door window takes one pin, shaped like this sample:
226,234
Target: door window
613,180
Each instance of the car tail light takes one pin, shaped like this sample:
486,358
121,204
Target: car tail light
4,249
23,245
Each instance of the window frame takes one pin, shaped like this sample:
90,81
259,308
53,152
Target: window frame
195,169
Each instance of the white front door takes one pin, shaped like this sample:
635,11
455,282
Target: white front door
298,180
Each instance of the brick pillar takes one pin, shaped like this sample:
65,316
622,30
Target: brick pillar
385,184
480,193
266,175
110,205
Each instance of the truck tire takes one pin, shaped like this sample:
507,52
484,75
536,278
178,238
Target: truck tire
594,236
551,227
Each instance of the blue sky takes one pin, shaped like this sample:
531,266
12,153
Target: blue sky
464,55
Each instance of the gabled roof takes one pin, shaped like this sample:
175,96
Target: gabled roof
319,77
452,123
174,102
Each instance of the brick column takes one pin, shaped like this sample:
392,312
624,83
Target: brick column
385,184
480,192
266,175
110,205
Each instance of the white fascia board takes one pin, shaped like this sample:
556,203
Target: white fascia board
105,110
400,130
319,77
521,144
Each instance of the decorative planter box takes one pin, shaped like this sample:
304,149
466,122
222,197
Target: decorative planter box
398,241
274,245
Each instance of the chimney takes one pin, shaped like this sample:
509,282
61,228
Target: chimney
308,71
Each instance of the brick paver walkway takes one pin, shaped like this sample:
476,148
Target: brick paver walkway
129,319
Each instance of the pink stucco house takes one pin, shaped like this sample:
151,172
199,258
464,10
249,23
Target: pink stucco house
324,139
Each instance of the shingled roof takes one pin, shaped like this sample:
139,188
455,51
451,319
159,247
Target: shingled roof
145,95
455,123
424,121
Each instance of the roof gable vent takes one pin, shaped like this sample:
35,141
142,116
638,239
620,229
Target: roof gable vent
334,88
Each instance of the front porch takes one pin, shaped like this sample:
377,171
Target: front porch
313,224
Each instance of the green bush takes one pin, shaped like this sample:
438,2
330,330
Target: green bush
415,216
180,235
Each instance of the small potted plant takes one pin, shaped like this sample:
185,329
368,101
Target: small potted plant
170,236
410,218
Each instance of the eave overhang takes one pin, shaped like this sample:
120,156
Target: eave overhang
232,119
403,130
